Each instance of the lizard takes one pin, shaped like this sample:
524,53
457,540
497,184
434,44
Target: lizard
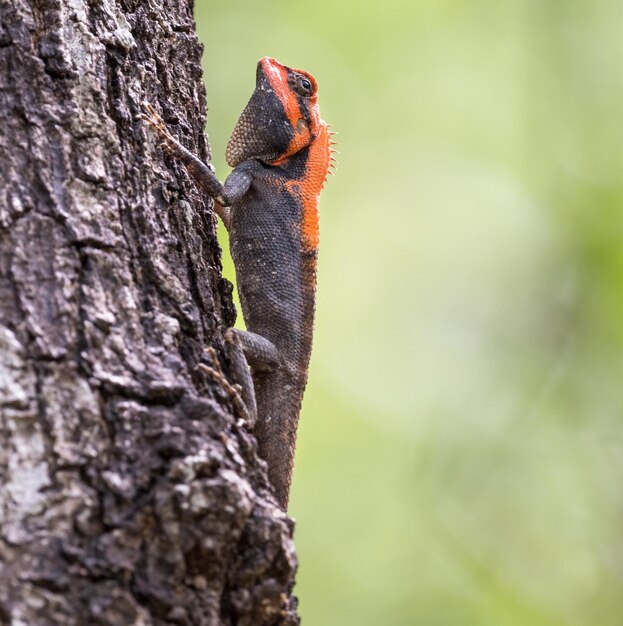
280,151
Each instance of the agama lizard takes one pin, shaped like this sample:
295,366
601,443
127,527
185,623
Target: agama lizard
280,150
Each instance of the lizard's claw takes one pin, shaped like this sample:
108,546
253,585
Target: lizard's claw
167,147
157,123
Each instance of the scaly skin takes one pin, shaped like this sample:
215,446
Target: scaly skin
280,150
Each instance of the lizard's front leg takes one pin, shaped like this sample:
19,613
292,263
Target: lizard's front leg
236,185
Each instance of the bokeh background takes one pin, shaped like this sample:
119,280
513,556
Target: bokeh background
460,458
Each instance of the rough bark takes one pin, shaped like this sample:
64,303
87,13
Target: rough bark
130,491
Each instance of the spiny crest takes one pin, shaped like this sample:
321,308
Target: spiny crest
332,151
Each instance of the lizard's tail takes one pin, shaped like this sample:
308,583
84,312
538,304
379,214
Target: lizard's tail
278,404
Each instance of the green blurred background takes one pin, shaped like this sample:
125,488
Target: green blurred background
461,452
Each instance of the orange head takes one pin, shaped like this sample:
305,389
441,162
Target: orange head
281,118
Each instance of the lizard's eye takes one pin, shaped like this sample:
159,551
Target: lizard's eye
302,85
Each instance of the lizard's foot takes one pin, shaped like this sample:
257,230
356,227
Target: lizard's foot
202,173
241,405
152,118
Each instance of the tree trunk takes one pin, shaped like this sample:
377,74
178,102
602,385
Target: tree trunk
131,491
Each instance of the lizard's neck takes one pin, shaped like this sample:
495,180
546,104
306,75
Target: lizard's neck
306,172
